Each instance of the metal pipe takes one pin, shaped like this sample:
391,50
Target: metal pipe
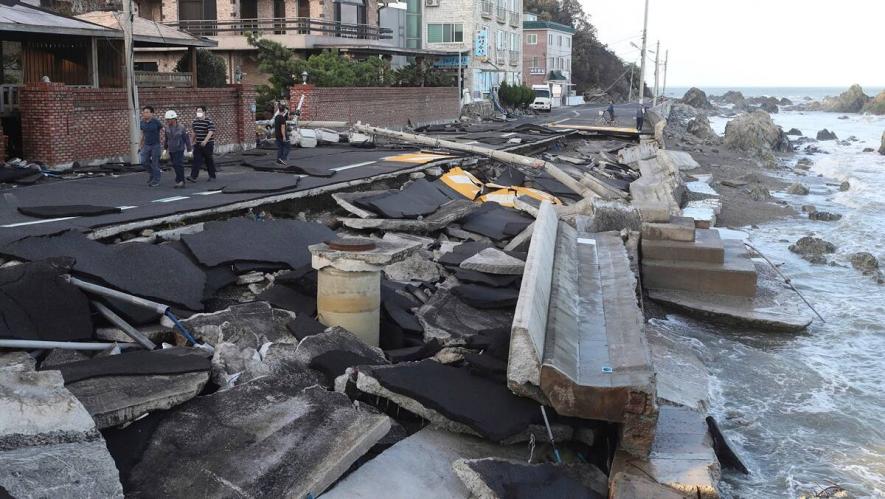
64,345
503,156
130,331
159,308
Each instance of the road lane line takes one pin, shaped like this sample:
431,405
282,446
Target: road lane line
355,165
35,222
169,200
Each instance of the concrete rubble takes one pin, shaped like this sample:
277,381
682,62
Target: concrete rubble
449,331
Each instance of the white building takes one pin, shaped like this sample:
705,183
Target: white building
487,32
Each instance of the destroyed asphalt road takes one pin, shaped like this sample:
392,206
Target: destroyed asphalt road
503,366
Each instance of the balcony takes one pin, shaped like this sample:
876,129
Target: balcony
514,19
501,14
486,9
282,26
514,58
537,71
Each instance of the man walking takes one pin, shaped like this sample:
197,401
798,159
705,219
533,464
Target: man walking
176,141
611,110
149,147
204,145
281,134
640,117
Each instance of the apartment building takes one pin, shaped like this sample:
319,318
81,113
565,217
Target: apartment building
547,55
307,26
488,33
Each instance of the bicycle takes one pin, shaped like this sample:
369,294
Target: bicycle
605,119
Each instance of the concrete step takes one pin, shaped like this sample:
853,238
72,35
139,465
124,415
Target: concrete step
707,247
736,276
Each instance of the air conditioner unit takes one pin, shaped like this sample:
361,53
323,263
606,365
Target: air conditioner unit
431,3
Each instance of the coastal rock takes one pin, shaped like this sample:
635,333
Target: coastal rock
877,105
785,102
798,189
823,216
700,127
865,262
882,147
844,186
795,131
813,249
809,208
804,164
758,192
735,98
755,133
696,98
852,100
826,135
768,107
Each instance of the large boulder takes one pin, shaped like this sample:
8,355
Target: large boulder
795,131
736,98
700,127
852,100
813,249
876,105
696,98
755,133
767,104
865,262
882,147
826,135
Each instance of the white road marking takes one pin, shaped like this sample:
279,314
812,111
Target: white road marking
169,200
126,207
207,193
35,222
470,143
355,165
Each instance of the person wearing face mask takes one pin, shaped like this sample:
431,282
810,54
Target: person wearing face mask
204,145
176,140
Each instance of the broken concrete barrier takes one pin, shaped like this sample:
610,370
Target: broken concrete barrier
272,437
492,478
494,261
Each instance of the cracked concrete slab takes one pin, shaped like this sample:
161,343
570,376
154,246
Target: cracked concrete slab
448,319
493,478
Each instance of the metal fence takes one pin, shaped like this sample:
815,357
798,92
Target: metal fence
282,26
157,79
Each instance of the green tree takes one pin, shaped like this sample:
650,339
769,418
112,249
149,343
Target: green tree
422,74
211,69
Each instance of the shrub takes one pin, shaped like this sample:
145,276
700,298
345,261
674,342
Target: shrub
211,69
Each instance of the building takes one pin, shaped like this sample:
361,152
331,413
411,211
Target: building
306,26
488,34
547,56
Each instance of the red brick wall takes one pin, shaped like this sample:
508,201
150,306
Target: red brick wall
380,106
538,50
62,124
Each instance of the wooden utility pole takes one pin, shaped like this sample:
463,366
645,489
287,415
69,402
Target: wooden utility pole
642,64
666,60
131,87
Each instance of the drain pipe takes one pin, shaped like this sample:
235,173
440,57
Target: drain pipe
118,321
63,345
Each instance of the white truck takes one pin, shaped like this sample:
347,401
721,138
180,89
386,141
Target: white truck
543,100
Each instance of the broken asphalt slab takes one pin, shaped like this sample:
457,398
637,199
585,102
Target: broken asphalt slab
446,214
146,270
272,437
73,210
492,478
247,325
495,221
48,441
494,261
419,198
445,395
246,240
36,303
447,318
168,361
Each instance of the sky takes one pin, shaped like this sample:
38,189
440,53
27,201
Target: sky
751,43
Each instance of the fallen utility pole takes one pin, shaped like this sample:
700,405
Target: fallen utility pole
503,156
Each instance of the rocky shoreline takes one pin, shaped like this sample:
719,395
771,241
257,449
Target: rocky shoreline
756,157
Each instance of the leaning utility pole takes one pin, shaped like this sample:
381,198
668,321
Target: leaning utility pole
657,66
630,98
642,64
131,88
666,60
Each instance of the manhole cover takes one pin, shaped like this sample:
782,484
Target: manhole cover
354,244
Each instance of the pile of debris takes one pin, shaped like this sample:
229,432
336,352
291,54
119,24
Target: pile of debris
472,332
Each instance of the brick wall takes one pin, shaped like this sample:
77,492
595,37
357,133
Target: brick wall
62,124
380,106
2,144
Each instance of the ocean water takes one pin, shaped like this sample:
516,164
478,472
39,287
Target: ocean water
808,410
795,94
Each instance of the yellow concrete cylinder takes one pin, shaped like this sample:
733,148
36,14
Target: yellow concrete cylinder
351,300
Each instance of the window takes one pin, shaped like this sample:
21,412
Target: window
568,41
550,39
146,66
501,40
531,38
535,61
514,41
560,40
445,33
550,63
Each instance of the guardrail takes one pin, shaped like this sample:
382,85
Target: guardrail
282,26
156,79
537,71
